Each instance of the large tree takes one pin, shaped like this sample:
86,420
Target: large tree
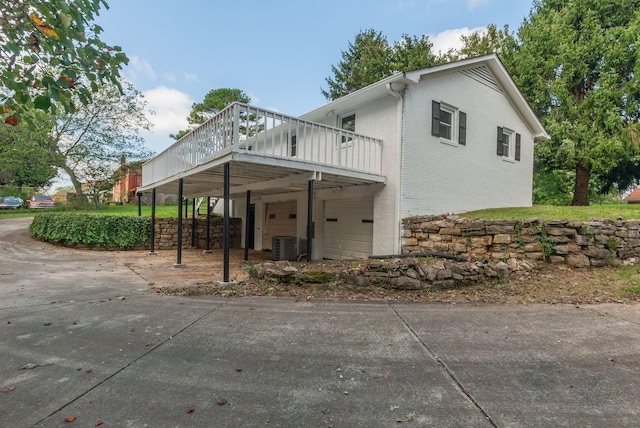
366,60
492,40
24,156
215,101
577,64
52,57
88,143
370,58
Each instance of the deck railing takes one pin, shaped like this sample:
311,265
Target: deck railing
260,132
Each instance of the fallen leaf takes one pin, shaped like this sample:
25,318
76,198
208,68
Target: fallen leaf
8,388
29,366
70,419
98,423
12,120
385,376
191,409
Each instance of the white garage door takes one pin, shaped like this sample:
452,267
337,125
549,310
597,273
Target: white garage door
281,221
348,228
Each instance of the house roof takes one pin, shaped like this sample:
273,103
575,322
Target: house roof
399,81
633,196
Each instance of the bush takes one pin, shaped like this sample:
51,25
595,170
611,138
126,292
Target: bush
97,231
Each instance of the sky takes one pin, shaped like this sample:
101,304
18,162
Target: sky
279,52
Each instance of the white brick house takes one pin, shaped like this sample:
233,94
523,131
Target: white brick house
446,139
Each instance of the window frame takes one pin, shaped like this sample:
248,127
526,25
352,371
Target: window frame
457,126
342,122
509,141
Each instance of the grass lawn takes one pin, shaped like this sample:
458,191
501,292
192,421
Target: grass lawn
166,211
548,212
544,212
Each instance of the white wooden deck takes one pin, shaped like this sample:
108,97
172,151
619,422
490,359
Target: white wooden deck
264,147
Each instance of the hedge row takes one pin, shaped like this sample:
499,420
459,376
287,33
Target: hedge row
95,231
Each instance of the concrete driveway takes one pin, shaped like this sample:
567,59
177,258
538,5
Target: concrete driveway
82,337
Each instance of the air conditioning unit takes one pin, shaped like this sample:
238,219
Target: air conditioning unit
284,248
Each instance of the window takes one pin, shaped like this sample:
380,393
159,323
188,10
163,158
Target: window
508,144
293,145
348,123
448,123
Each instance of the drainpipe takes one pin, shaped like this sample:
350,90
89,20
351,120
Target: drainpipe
399,165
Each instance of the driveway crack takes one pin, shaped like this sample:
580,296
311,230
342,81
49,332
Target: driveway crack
129,364
444,367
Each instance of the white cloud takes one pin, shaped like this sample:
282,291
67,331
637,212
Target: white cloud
171,108
474,4
139,68
169,77
450,39
190,77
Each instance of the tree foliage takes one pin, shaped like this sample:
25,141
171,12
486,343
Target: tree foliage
493,40
577,64
370,58
24,157
214,101
52,57
88,143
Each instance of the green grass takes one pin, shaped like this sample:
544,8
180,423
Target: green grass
544,212
162,211
548,212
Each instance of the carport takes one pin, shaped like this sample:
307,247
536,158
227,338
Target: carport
246,152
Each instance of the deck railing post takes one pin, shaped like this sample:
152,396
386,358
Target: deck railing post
225,234
179,250
153,222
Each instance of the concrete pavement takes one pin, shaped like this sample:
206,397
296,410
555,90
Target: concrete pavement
82,337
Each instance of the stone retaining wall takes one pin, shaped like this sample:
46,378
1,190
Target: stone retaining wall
576,244
167,233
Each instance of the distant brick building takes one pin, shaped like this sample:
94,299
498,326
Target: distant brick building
130,178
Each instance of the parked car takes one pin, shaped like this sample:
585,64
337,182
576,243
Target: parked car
11,203
41,202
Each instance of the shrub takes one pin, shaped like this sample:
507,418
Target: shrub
97,231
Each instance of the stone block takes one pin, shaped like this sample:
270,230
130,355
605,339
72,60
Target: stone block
577,261
502,239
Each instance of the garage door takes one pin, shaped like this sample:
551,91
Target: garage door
348,228
281,220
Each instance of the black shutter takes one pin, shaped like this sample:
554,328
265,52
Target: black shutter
500,141
435,118
517,147
462,128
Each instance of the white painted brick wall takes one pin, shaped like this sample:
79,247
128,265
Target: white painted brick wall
440,178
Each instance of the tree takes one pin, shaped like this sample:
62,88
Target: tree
88,144
413,53
371,58
24,158
215,101
51,56
577,64
493,40
365,61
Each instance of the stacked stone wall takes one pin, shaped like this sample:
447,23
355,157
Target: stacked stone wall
576,244
166,233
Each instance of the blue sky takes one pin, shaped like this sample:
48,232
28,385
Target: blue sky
279,51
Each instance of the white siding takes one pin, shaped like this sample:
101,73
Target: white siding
379,119
443,178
